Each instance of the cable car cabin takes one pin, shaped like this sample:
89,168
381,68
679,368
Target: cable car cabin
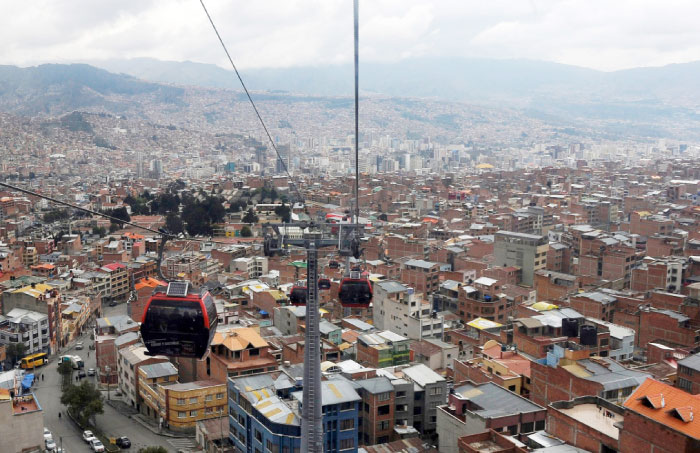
297,296
355,292
324,283
179,322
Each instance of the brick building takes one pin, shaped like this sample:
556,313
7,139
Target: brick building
688,377
236,352
422,276
659,419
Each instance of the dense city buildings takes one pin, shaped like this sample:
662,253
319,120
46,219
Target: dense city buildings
531,288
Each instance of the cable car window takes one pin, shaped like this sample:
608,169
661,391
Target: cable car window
210,306
175,316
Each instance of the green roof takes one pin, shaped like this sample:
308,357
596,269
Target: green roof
301,264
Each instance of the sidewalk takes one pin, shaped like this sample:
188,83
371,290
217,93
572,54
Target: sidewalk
148,423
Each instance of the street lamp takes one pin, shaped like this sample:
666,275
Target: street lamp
107,370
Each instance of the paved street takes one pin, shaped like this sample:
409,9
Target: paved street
112,423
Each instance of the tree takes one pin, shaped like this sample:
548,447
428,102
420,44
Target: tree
173,223
153,450
101,231
284,212
84,401
246,232
250,217
113,227
16,351
65,369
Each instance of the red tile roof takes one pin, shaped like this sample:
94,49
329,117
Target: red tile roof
668,406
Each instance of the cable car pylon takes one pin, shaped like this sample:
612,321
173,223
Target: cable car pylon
314,237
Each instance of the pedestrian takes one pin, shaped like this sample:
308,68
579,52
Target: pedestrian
42,376
59,414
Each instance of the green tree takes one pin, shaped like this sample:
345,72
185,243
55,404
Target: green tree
246,232
65,369
284,212
113,227
16,351
197,219
55,215
84,401
153,450
101,231
250,216
173,223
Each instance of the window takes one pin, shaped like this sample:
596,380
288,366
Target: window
347,424
436,391
209,398
347,406
181,401
219,396
417,410
526,427
539,425
400,394
384,396
193,413
258,435
193,400
346,444
513,430
268,445
384,410
208,410
383,426
684,384
181,414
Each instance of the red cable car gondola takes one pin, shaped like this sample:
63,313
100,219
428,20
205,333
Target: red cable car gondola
297,295
355,291
179,322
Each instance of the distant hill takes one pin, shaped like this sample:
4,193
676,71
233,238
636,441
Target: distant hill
55,88
644,93
417,97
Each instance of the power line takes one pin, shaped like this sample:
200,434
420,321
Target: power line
257,113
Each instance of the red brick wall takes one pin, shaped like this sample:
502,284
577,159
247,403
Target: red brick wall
549,384
658,326
577,434
642,435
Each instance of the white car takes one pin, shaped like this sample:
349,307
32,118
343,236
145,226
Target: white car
97,446
50,444
47,434
88,436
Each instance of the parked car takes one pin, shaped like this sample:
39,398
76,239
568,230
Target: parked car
91,371
50,444
47,434
97,446
123,442
82,374
88,436
79,345
113,304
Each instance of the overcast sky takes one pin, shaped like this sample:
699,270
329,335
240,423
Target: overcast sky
606,35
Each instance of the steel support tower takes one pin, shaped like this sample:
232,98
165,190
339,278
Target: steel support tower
280,238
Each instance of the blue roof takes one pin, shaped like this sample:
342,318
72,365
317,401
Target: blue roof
27,380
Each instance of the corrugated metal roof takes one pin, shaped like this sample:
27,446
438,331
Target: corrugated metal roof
157,370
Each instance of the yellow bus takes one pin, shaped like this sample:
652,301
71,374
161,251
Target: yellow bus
34,360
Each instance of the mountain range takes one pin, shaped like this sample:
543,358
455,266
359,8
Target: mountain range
642,93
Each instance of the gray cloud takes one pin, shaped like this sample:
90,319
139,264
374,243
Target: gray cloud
599,34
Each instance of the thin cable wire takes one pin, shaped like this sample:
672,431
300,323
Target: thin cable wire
257,113
106,216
